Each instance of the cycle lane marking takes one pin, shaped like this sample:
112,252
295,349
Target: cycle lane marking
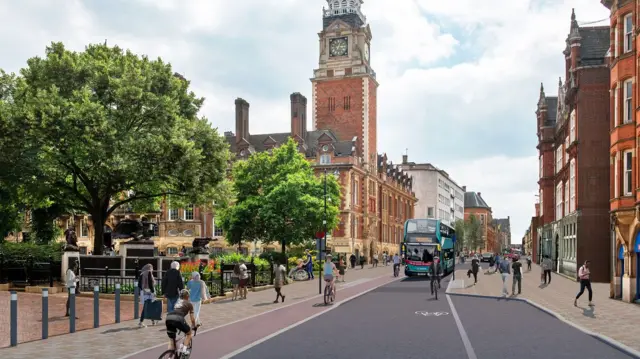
471,354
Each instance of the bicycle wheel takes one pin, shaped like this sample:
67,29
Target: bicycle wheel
327,293
168,354
333,295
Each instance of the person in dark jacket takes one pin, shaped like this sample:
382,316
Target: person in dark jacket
172,284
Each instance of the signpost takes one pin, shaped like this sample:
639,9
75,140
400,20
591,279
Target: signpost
321,247
453,239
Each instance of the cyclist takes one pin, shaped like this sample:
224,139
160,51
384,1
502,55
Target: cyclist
396,263
434,273
329,269
176,320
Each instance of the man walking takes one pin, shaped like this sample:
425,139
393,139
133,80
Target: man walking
72,281
529,263
505,271
546,267
280,273
585,282
172,284
475,267
517,276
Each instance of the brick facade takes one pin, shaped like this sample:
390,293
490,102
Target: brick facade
573,148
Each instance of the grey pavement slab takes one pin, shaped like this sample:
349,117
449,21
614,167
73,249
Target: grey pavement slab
380,324
499,328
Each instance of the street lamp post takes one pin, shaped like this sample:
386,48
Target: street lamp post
324,222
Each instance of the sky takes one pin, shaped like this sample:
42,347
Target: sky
459,80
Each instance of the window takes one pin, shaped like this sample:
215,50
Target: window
559,201
627,179
217,231
173,214
616,46
188,213
628,93
616,106
347,103
572,127
332,104
172,251
572,185
566,198
628,32
325,159
541,203
616,174
566,145
84,228
541,170
558,158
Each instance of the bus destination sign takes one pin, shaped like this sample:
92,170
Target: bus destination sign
425,240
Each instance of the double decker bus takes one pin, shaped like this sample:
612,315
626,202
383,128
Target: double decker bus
424,240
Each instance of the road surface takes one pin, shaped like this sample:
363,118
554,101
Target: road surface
400,319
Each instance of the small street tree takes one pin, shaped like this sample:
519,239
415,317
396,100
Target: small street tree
460,228
98,129
473,233
279,199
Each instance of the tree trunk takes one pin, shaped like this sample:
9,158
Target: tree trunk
98,218
284,246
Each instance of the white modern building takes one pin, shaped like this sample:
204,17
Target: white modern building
439,196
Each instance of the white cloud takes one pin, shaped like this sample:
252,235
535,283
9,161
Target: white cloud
459,80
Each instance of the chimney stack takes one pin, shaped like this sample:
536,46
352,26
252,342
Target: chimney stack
479,194
464,188
242,120
298,115
405,159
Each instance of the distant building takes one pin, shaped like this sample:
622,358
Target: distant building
439,196
503,231
475,205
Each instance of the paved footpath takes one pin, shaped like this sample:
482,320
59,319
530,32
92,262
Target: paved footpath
611,318
402,320
117,340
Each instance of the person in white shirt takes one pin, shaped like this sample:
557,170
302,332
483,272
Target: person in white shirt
71,280
585,282
396,262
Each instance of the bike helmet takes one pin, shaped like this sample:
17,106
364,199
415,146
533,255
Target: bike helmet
184,294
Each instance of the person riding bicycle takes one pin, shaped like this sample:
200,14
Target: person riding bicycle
328,270
396,263
434,273
176,320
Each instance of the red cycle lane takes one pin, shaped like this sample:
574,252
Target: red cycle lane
222,341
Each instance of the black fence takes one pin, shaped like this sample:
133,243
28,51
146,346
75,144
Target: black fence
217,277
29,271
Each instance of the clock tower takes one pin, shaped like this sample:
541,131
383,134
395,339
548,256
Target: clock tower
344,85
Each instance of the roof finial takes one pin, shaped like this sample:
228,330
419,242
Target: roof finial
560,81
573,14
541,89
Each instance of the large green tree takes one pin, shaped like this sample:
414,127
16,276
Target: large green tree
460,228
473,233
104,127
280,199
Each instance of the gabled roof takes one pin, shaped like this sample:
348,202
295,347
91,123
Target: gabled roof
263,142
473,200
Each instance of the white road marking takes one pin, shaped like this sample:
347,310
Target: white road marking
471,354
431,314
336,305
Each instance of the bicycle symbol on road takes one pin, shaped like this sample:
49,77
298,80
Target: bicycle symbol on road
431,314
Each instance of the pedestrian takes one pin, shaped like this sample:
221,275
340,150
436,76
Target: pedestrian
362,261
504,271
498,261
585,282
341,268
517,276
146,284
352,259
385,258
475,267
375,260
235,281
244,278
547,265
492,262
529,263
197,294
172,284
309,265
72,281
280,272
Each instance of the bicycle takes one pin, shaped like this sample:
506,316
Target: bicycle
329,292
173,353
435,285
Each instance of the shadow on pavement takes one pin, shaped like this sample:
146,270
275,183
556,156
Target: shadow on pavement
589,312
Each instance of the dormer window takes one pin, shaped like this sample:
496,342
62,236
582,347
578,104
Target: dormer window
325,159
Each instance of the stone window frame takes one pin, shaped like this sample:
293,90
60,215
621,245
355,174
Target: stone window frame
627,175
190,208
628,101
627,44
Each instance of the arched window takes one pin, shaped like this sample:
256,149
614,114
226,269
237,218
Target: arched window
336,4
351,3
344,3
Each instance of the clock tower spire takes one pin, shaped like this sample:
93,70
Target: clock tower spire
344,86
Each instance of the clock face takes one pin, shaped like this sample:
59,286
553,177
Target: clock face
339,46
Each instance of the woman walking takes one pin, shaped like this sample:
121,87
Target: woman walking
197,293
279,272
341,268
585,282
244,278
146,284
235,281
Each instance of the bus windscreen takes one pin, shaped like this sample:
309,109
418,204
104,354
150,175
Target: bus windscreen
420,253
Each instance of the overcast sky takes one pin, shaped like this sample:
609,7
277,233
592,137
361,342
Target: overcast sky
459,80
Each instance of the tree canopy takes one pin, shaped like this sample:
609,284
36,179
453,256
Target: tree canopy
91,131
473,233
279,199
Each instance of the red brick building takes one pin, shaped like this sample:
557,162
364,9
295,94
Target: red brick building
475,205
625,198
572,133
377,196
